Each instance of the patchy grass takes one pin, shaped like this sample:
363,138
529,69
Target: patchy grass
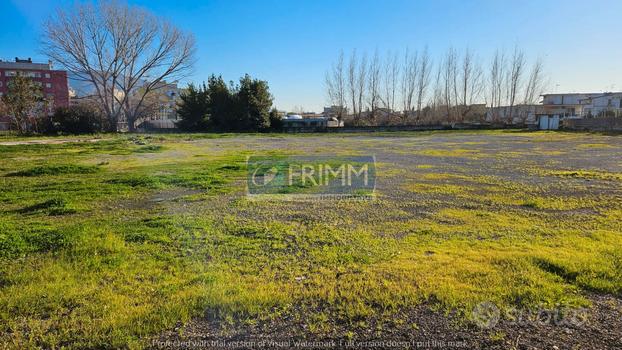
55,170
108,244
587,174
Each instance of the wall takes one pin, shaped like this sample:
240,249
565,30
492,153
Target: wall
593,124
421,127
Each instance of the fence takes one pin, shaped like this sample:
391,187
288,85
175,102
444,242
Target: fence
389,128
593,124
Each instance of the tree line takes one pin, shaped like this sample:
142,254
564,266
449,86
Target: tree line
411,88
218,106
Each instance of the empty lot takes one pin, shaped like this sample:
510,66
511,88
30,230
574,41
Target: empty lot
136,241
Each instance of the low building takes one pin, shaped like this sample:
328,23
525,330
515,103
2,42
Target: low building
53,82
608,104
296,123
335,111
582,104
516,115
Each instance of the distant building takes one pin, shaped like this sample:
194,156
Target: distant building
583,104
520,114
307,115
53,82
335,111
160,103
296,123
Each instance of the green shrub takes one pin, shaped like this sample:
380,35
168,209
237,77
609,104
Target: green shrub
33,240
80,119
55,206
149,149
56,170
136,181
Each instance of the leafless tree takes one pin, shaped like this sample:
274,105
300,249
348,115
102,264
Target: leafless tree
361,86
450,81
514,79
298,110
336,86
352,82
373,95
437,96
409,84
423,80
116,48
471,83
496,81
391,76
535,84
450,89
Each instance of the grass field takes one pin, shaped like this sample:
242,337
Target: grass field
114,243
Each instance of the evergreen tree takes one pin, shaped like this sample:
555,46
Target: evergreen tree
254,102
222,104
222,107
194,109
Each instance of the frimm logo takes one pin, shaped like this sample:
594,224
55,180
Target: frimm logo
311,177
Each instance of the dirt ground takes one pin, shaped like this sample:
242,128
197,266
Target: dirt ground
518,159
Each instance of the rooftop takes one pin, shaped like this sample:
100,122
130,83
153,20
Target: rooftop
25,64
584,93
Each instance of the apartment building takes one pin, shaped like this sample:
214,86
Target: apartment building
53,82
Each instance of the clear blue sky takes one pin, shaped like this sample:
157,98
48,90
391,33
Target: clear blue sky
292,43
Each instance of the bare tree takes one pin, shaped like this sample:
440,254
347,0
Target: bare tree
450,81
116,48
437,95
514,79
409,84
423,79
336,86
458,85
361,85
391,76
467,75
497,74
471,83
535,84
374,77
352,82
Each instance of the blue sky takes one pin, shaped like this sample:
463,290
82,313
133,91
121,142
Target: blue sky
292,43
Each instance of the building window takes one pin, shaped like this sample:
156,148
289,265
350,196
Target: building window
10,73
48,85
47,75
